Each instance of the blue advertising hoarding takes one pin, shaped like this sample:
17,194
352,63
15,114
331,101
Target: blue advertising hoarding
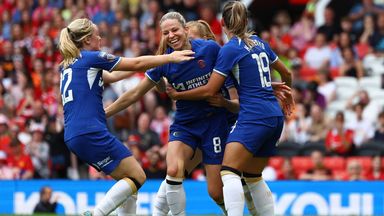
291,197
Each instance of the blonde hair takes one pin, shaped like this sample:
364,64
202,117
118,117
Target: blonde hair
235,18
71,38
203,29
170,15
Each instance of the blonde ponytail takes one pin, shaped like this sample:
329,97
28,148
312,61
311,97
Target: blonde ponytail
71,38
67,48
235,18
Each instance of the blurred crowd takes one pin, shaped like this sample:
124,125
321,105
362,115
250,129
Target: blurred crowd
337,63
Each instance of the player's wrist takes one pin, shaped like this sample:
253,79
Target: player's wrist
170,58
176,95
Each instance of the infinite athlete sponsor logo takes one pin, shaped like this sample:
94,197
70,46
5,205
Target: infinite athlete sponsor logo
193,83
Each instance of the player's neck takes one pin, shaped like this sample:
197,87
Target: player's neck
187,46
230,35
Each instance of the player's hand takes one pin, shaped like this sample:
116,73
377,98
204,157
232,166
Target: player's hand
281,90
183,55
284,95
217,100
288,106
172,93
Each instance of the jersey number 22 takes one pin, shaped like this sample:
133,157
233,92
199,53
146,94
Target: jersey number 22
66,95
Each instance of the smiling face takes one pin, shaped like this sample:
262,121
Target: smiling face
174,34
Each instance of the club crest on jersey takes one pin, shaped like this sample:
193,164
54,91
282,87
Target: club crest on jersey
201,63
107,56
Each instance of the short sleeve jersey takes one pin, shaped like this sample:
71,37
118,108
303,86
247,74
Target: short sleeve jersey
250,69
81,89
189,75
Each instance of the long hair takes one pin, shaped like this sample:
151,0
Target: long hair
235,18
71,38
170,15
203,28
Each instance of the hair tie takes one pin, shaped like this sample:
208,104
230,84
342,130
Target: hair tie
69,31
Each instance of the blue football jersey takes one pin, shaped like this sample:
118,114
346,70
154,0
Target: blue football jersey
81,89
189,75
250,69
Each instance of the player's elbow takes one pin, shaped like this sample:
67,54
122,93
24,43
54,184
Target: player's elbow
286,76
288,73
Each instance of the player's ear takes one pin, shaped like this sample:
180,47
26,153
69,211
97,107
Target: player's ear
87,40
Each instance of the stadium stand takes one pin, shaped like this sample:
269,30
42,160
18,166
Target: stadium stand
309,147
288,149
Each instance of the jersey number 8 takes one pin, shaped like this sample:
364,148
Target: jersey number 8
216,144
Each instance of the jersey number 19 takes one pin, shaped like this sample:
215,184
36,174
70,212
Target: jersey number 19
263,65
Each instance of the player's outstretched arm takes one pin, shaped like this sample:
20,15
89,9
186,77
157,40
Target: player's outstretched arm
129,97
114,76
143,63
201,93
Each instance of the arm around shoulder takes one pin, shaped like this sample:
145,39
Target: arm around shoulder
150,61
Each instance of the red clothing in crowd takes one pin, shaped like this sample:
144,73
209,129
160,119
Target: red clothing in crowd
375,176
5,140
333,141
23,162
216,27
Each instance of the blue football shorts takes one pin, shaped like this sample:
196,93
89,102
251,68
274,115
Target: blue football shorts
209,135
259,136
100,150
